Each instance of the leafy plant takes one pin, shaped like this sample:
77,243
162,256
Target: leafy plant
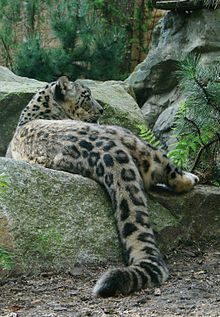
45,239
147,135
197,120
189,144
6,259
4,182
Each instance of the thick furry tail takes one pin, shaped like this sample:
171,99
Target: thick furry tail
149,272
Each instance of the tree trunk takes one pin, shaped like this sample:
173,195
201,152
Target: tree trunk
28,20
138,36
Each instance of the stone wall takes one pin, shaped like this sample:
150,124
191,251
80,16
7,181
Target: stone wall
155,81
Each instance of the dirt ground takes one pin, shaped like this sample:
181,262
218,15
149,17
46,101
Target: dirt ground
192,290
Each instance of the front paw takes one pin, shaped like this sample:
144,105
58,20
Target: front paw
194,179
186,183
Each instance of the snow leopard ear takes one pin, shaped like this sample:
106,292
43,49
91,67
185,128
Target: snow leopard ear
62,85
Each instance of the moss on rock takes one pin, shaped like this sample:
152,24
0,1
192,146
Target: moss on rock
56,218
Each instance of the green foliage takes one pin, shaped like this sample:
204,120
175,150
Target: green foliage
149,5
181,152
87,47
6,259
45,240
189,143
133,18
147,135
9,16
4,182
106,55
112,12
197,120
33,61
14,15
93,39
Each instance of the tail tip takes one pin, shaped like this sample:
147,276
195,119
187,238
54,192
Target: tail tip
109,285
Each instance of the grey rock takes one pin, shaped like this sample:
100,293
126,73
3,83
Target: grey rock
53,219
154,80
7,76
162,127
197,213
158,104
15,93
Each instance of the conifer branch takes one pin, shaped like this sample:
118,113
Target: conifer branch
209,100
200,83
200,153
197,128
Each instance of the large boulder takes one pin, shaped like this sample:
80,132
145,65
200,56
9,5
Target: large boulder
197,214
154,80
53,218
15,92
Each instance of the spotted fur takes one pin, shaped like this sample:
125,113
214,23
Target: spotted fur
113,156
